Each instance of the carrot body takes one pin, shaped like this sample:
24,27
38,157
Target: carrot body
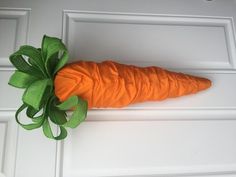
111,84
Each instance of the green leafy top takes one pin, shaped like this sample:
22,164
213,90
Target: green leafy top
36,69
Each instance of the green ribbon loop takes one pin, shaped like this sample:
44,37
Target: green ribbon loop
79,114
48,131
36,69
30,126
21,80
36,94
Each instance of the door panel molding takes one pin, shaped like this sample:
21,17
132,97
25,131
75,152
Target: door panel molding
14,31
9,141
121,36
180,155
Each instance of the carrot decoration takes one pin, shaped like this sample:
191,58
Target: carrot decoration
52,88
110,84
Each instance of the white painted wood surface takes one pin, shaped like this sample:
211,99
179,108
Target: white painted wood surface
153,39
14,31
8,144
189,136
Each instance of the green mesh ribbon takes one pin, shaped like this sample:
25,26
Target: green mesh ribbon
36,69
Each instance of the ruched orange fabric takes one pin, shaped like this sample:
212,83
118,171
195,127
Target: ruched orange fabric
111,84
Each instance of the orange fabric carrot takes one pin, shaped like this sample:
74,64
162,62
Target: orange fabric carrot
111,84
52,87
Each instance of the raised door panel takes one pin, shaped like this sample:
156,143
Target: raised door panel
13,32
173,41
8,143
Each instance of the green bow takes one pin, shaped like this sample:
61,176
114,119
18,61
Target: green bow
36,69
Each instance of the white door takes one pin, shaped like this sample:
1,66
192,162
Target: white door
189,136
